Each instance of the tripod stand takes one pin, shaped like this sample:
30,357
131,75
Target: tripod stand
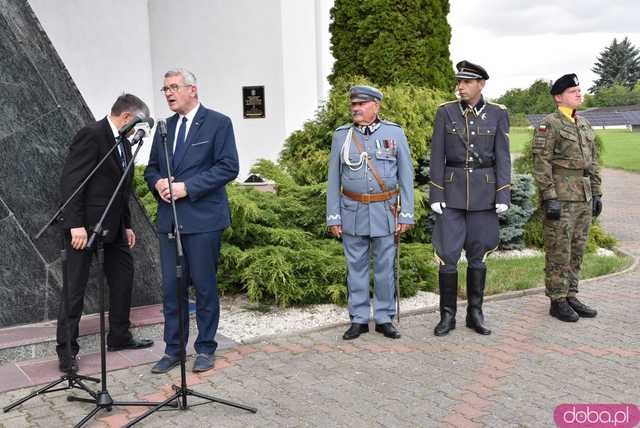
101,399
182,391
73,379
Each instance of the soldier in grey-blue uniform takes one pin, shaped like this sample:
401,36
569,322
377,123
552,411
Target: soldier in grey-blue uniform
470,175
370,166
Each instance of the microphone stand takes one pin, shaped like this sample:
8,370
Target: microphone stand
182,391
102,399
73,379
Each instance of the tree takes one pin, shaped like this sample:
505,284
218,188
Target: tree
615,95
533,100
619,63
392,41
305,154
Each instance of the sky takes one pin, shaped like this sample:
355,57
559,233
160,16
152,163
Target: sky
519,41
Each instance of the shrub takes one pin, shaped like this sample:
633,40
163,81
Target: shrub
512,223
305,154
392,41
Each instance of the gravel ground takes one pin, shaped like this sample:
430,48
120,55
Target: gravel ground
242,321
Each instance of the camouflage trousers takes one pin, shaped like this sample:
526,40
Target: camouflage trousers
564,244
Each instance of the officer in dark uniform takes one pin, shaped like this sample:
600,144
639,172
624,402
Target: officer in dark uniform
470,185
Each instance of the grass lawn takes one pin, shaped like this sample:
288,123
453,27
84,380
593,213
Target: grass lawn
518,137
523,273
621,147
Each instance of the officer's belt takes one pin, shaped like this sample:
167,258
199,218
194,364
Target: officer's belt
365,198
471,164
565,172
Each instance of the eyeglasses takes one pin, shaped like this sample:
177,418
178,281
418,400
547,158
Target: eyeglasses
172,88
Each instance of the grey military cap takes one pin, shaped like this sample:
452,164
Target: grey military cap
364,93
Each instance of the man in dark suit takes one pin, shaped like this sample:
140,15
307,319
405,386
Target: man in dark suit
204,159
89,146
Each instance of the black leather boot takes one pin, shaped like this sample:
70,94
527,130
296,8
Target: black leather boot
448,283
563,311
475,295
580,308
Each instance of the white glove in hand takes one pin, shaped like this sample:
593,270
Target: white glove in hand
500,208
437,207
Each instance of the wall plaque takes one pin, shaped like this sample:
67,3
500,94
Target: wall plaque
253,102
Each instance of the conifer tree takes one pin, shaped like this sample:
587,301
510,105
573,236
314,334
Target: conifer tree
618,64
392,41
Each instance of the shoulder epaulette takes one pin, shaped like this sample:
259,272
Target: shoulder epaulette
501,106
447,102
345,126
386,122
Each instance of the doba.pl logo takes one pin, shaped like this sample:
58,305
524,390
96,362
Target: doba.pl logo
596,415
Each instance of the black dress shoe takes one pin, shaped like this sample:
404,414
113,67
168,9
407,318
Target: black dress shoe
132,344
580,308
388,330
561,310
65,364
355,331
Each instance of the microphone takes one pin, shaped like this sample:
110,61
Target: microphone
141,131
162,128
139,117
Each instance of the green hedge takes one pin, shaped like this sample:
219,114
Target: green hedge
392,41
305,154
277,249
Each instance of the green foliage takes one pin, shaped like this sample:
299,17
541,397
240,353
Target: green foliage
512,223
392,41
142,191
305,154
618,64
533,100
615,95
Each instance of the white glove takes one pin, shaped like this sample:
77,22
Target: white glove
437,207
500,208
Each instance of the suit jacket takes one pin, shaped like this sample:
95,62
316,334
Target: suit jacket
88,147
209,162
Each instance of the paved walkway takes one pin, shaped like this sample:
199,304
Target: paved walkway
515,377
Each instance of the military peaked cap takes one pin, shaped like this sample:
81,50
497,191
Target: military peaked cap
469,70
364,93
565,82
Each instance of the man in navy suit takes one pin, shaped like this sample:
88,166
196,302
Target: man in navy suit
203,156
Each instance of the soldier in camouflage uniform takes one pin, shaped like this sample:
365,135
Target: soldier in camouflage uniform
567,175
369,168
470,175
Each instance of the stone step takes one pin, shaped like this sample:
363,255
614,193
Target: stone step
38,341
